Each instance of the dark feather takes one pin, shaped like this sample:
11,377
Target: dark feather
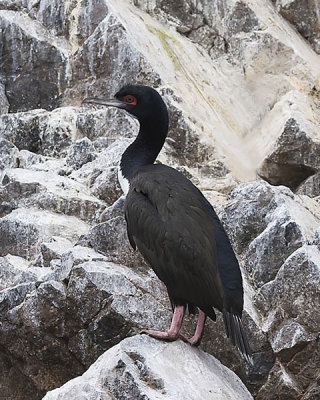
172,228
179,234
236,333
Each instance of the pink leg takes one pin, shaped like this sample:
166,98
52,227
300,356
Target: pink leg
196,338
173,332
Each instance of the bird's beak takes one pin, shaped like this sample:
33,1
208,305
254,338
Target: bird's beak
102,102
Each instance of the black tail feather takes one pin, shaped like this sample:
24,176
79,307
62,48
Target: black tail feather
237,334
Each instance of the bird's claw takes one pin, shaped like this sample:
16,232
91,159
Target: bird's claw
192,341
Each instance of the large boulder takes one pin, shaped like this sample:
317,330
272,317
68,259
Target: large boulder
292,141
60,319
141,367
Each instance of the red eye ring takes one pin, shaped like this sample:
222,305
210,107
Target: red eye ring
130,99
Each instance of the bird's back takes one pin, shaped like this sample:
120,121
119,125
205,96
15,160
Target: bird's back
179,234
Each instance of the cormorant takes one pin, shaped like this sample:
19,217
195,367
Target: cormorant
175,228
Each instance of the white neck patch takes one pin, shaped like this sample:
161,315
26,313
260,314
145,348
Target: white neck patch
124,183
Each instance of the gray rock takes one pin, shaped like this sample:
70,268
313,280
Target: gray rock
49,191
15,271
317,238
8,154
36,67
34,332
273,224
57,131
311,186
288,303
23,230
141,367
54,249
229,17
69,20
38,162
15,385
116,303
22,129
109,124
106,187
15,5
89,18
109,157
55,16
12,297
280,384
211,25
278,258
4,104
304,15
187,147
108,53
72,323
254,200
294,157
101,174
148,6
75,256
289,307
39,131
80,153
290,141
107,237
110,235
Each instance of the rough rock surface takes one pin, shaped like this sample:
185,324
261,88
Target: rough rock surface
305,16
140,367
242,87
293,156
278,236
272,225
35,62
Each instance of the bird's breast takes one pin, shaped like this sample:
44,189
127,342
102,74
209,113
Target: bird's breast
124,182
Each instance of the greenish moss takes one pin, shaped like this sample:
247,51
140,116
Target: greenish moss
165,41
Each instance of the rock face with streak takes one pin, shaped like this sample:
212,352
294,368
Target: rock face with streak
242,88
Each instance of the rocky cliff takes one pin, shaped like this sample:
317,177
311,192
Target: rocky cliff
241,80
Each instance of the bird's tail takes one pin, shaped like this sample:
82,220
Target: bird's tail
237,334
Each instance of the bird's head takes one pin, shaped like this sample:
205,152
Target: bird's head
143,102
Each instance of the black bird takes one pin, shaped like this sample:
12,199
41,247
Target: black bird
175,228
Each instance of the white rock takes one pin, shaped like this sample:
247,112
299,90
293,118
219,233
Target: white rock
141,367
47,189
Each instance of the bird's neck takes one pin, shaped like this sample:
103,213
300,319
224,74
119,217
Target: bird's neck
143,151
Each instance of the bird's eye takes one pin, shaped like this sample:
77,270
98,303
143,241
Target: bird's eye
130,99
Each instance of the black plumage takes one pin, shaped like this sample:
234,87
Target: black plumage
175,228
